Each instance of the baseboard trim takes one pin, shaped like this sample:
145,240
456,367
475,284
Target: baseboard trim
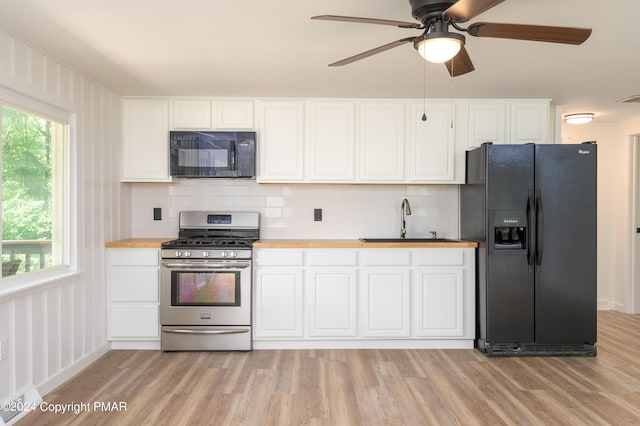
55,381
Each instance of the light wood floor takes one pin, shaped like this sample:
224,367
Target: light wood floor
362,387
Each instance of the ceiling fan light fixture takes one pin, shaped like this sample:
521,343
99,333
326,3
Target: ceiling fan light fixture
579,118
439,47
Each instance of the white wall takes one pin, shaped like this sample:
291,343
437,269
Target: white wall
55,328
349,211
613,207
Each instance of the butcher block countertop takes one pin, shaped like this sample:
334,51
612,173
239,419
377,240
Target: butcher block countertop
357,244
138,243
301,243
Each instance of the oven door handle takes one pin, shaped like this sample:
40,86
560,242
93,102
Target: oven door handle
207,265
186,331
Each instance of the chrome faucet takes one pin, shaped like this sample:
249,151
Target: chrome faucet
405,209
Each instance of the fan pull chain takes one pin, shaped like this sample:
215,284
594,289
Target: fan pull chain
424,90
450,97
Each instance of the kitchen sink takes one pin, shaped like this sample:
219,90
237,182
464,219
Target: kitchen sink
408,240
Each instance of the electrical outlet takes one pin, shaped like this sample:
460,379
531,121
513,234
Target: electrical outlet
317,215
157,213
4,349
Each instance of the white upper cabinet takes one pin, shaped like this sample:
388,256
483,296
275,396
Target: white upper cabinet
233,114
211,114
145,140
330,141
380,141
487,123
280,141
530,122
381,133
431,152
191,114
502,122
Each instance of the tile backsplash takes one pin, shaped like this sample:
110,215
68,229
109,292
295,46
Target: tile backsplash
348,211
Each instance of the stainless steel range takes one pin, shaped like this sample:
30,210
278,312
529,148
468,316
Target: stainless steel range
205,295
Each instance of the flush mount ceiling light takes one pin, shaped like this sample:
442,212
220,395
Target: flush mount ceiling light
439,47
437,44
580,118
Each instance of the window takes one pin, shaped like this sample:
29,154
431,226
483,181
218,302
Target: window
34,191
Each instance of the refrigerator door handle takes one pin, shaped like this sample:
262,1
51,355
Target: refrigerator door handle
539,228
530,226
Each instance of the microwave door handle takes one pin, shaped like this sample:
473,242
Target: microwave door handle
232,154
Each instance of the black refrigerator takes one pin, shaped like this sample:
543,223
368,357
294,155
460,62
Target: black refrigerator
532,210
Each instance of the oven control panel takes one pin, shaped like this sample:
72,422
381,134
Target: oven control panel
206,254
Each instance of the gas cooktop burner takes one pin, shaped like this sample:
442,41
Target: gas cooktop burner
209,242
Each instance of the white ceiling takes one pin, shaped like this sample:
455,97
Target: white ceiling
261,48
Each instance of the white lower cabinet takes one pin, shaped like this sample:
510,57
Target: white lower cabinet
438,302
278,294
385,302
364,298
330,302
134,280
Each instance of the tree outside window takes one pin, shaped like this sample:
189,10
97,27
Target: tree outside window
32,191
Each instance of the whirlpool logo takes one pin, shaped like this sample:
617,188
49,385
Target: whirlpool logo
584,151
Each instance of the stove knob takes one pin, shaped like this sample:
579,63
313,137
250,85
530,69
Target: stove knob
206,254
233,254
178,253
187,254
224,254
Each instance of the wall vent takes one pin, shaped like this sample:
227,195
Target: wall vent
20,406
635,99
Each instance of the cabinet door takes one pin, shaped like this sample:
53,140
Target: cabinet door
330,141
191,114
385,302
134,284
487,123
278,303
280,141
233,114
134,321
331,302
134,257
438,302
381,141
530,122
145,140
431,143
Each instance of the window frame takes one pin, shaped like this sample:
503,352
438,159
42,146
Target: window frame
69,264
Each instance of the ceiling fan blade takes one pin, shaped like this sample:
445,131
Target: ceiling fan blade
401,24
460,64
372,52
564,35
464,10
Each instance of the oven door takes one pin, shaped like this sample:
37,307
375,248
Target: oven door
205,292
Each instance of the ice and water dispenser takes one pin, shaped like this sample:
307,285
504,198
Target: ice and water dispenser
509,231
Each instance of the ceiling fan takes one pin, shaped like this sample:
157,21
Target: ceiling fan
438,44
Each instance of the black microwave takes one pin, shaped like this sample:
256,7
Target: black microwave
212,154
